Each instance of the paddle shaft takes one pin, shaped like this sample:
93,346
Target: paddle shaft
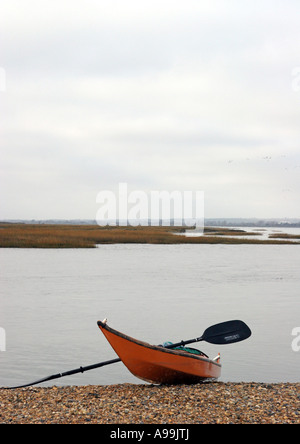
68,373
183,343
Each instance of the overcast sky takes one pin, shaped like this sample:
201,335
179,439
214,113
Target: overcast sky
163,95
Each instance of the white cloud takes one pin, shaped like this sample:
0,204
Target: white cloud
160,94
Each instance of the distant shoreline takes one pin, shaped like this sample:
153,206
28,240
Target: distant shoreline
209,222
26,235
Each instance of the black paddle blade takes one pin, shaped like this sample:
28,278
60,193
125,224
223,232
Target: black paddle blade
227,333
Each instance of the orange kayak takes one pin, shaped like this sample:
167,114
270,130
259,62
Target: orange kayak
159,365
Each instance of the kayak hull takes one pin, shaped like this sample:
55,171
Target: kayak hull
159,365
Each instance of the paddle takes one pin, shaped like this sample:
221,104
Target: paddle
224,333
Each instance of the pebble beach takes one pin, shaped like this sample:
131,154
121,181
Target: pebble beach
208,403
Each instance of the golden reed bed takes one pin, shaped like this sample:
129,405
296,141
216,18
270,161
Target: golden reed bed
88,236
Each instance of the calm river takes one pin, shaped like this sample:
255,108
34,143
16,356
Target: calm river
50,301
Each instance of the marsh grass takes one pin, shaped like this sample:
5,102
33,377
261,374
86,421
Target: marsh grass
284,236
215,231
88,236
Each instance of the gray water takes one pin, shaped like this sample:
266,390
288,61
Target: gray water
50,301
